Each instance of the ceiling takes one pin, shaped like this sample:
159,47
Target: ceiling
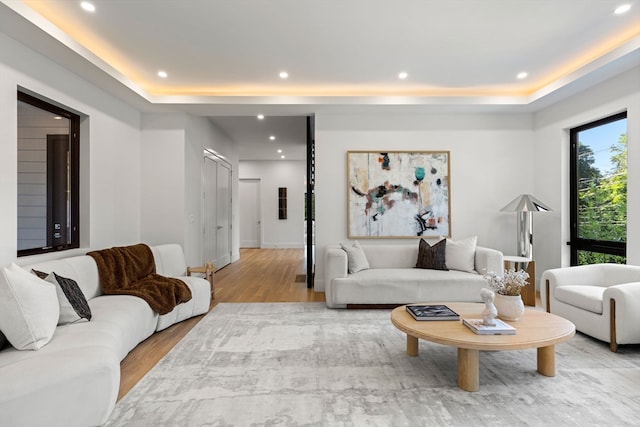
223,57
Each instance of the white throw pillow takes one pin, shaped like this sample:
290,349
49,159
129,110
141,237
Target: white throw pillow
28,308
461,255
357,260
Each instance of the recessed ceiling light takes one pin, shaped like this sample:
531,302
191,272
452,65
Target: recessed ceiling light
57,118
622,9
283,157
279,151
89,7
272,138
284,74
522,75
260,116
162,74
403,75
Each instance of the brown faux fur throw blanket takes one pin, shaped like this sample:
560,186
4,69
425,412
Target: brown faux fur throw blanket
131,270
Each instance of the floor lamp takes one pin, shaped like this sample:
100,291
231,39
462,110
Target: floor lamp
525,205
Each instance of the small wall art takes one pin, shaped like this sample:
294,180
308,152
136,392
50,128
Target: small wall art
282,202
398,194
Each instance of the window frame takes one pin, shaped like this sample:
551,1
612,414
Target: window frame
577,243
74,173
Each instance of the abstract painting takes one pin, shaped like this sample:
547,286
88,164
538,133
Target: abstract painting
398,194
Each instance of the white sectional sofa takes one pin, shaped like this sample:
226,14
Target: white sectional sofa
391,277
74,379
602,300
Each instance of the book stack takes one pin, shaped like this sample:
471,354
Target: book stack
432,312
500,328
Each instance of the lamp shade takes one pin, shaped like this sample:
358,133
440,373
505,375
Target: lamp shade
526,203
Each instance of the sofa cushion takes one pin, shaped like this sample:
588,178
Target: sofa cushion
82,269
460,255
199,304
73,304
408,285
169,260
356,258
432,257
28,308
585,297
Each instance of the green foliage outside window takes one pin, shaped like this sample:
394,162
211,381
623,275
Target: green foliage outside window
602,201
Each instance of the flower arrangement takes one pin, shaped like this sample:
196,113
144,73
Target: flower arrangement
511,283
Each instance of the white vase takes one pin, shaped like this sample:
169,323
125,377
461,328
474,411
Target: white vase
510,307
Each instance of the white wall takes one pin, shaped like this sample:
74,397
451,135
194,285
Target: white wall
140,177
491,163
171,201
109,150
551,155
278,233
163,179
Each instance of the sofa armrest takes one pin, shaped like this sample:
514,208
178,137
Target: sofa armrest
207,269
488,260
627,311
336,263
336,266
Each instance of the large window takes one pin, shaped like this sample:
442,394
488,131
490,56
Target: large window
48,171
599,191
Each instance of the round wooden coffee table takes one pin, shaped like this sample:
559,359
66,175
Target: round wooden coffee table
536,329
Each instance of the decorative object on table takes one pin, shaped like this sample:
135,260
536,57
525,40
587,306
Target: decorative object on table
524,205
508,288
528,293
398,194
498,328
490,311
432,312
510,307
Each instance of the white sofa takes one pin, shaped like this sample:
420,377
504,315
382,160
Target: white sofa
393,279
602,300
74,379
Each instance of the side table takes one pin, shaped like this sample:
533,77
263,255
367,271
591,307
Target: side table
527,264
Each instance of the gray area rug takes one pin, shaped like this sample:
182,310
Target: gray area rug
302,364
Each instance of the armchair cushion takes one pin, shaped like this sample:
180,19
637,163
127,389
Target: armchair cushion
585,297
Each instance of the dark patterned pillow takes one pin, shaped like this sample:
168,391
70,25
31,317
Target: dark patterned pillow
73,304
432,257
40,274
3,340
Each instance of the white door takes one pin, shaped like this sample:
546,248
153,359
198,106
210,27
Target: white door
216,212
250,213
223,228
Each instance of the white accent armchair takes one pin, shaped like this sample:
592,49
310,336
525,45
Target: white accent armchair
602,300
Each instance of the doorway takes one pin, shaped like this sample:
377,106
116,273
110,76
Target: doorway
250,214
216,209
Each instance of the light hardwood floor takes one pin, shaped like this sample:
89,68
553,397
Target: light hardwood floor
261,275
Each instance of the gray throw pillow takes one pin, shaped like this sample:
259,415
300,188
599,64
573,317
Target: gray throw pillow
356,258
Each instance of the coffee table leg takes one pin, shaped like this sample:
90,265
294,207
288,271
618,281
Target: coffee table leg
547,360
468,369
412,346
